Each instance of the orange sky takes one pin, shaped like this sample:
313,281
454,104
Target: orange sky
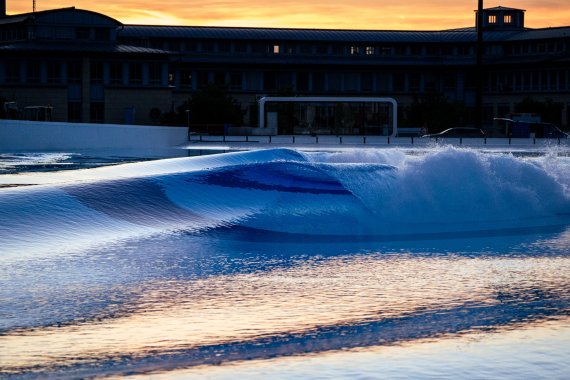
333,14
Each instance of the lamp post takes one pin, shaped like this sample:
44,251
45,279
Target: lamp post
188,120
479,68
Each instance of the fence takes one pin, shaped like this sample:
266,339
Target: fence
376,140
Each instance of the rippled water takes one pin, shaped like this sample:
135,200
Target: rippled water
273,300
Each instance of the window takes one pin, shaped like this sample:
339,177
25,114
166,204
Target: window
382,81
269,80
527,81
507,19
335,82
414,82
386,50
322,49
543,79
236,80
354,50
306,49
156,43
470,81
82,33
219,78
96,112
351,81
369,50
224,46
450,81
186,78
553,77
63,33
318,82
563,79
207,46
290,48
399,82
302,81
190,45
173,45
102,34
54,72
240,47
33,72
338,49
203,79
275,49
74,72
135,73
401,50
492,19
366,81
116,73
154,73
96,72
74,92
74,112
13,72
257,48
416,50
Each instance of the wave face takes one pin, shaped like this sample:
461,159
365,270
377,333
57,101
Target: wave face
280,192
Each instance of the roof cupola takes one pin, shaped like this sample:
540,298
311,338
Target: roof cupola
502,18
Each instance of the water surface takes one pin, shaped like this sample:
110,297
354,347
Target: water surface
288,264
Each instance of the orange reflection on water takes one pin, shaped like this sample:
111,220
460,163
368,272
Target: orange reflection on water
171,315
506,353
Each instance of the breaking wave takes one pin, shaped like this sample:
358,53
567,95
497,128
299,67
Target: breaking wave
276,193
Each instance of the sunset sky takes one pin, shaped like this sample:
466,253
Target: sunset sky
331,14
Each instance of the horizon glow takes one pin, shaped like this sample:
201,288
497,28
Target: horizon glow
330,14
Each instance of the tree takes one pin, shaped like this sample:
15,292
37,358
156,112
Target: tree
435,112
213,105
549,111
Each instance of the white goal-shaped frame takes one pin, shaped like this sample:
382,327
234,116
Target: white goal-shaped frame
263,101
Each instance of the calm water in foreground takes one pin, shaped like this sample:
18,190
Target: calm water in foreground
447,263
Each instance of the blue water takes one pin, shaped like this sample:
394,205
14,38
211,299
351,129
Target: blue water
279,263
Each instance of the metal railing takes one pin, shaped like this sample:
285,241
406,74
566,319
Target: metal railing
375,140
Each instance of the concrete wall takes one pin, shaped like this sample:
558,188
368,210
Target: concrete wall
16,135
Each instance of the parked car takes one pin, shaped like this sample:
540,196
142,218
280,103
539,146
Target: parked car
458,132
551,131
527,129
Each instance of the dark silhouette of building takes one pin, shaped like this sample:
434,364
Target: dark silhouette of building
92,68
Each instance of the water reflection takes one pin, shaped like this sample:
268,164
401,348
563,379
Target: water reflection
189,306
536,350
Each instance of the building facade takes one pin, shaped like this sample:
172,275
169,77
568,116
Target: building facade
92,68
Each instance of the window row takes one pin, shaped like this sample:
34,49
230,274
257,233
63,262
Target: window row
525,81
353,49
354,81
98,72
300,48
116,73
538,47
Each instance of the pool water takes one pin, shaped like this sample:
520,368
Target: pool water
445,263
